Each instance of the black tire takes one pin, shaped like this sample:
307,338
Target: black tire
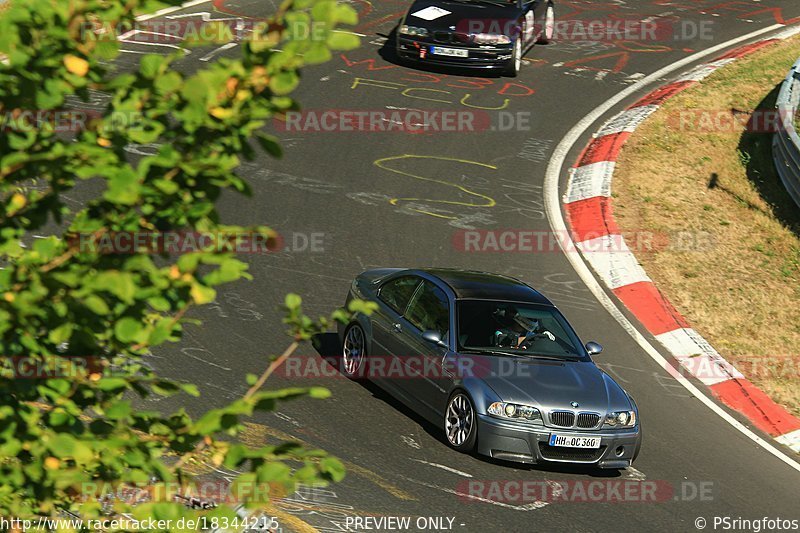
638,446
354,369
548,22
513,65
463,442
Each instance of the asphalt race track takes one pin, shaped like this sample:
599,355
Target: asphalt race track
356,200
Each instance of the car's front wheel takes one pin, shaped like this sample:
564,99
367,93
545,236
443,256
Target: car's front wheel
460,422
515,63
354,350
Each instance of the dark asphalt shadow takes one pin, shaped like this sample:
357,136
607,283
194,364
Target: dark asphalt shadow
755,148
327,346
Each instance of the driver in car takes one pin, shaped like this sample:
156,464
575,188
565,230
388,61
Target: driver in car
517,331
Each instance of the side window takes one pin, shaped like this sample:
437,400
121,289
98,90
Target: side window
430,310
398,292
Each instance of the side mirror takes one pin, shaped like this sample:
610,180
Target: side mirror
593,348
434,337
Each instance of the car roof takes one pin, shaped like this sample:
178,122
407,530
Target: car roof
471,284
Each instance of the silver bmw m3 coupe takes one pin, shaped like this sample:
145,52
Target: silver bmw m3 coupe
493,363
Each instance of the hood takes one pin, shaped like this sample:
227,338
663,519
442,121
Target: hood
549,384
460,14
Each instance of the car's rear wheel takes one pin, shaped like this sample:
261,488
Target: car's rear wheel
460,422
515,63
354,351
548,24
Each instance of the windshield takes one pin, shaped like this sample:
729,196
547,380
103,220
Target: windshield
518,328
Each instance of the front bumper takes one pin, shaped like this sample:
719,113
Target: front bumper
482,58
525,443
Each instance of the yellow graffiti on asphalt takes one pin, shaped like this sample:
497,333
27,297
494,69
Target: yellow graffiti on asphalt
489,202
255,435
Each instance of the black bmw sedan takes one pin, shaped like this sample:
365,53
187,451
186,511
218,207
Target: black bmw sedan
493,363
484,34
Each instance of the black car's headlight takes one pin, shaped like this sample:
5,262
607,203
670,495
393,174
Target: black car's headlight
513,410
413,30
491,38
621,419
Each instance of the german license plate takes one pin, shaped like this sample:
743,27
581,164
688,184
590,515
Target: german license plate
452,52
574,441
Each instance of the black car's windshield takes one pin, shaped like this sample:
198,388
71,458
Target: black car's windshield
516,328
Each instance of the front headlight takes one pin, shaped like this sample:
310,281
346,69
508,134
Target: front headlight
621,419
513,410
413,30
491,38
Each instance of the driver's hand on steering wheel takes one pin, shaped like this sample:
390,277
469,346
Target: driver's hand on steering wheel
549,335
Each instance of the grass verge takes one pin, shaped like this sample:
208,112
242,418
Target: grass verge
696,173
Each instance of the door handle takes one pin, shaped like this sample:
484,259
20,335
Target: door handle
398,328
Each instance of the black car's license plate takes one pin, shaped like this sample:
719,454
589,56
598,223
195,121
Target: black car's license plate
452,52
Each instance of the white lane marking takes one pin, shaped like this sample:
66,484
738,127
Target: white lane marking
589,181
173,9
443,467
216,51
613,261
527,507
556,219
792,440
350,32
627,121
698,356
411,442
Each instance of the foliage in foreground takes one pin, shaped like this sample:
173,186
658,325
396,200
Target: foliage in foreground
91,315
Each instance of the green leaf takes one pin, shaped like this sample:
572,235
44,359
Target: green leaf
293,301
319,393
123,187
119,410
332,467
128,329
270,144
120,284
96,304
343,41
273,472
61,334
62,445
151,65
345,14
169,82
112,384
284,82
202,294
